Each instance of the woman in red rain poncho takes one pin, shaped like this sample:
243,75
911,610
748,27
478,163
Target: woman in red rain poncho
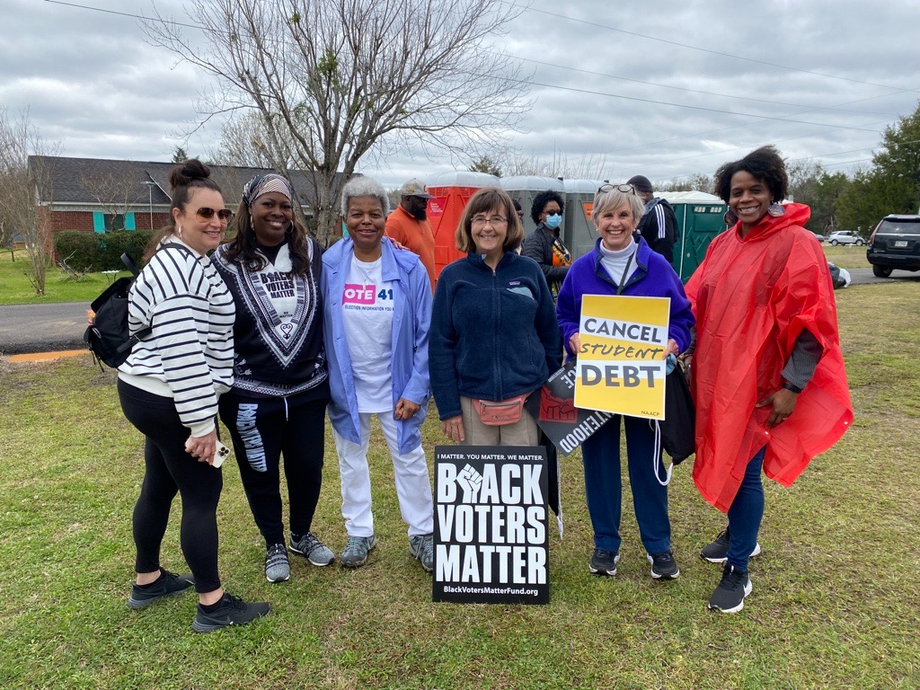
768,375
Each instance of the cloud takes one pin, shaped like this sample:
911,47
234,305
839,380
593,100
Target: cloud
614,83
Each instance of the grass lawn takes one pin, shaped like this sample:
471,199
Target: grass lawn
834,601
846,255
15,287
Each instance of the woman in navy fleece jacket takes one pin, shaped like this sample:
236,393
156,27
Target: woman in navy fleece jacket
493,334
619,257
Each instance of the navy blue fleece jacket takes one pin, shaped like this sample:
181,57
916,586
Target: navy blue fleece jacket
493,336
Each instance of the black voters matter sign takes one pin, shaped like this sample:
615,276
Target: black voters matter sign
490,535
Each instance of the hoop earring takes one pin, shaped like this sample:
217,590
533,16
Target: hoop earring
290,229
776,210
730,218
179,231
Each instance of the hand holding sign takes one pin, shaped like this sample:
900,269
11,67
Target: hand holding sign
622,346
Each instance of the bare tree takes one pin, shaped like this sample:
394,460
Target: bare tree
697,182
115,194
244,141
341,79
588,166
19,191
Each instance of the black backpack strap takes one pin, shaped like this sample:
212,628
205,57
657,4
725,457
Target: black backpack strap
129,264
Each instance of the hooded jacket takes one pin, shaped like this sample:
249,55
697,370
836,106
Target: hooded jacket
752,296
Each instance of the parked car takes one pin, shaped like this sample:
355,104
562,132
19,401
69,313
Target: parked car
845,237
895,243
819,237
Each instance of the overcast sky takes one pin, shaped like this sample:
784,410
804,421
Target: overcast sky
666,89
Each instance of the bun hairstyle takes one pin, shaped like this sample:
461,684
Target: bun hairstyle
183,178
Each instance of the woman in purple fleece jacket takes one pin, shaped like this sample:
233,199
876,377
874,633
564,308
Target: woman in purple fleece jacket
619,257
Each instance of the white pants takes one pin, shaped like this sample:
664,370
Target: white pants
413,487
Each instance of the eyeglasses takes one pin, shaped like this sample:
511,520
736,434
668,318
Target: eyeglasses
493,220
625,188
206,213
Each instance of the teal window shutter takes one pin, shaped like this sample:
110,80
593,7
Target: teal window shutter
99,222
129,221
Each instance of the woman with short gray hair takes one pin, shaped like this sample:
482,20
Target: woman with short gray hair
376,314
622,263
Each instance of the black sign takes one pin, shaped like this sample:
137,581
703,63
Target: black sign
564,424
490,525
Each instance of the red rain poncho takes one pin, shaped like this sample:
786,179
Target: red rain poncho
752,297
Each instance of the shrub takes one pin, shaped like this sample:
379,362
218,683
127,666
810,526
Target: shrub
78,248
100,252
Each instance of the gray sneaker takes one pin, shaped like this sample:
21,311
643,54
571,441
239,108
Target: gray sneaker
312,549
277,566
422,548
356,550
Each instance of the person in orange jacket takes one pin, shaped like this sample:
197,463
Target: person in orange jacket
409,225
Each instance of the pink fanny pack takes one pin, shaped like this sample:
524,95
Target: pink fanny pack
500,413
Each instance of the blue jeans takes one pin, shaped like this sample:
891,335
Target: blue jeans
746,513
603,486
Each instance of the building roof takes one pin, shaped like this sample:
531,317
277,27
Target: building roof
105,181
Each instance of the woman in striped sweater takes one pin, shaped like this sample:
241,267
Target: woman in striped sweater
168,389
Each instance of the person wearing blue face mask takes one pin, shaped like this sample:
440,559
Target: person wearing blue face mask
544,245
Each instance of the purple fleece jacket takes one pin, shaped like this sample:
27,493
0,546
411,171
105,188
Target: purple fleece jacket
653,277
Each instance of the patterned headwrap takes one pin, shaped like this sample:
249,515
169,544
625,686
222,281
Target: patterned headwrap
266,184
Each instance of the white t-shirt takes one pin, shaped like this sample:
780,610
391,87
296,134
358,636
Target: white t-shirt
367,314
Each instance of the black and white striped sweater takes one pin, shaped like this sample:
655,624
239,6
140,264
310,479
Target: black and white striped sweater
189,354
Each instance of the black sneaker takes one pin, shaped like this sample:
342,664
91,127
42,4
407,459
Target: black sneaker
663,565
604,562
734,587
232,611
169,584
716,551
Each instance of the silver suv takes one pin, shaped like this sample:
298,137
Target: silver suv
895,243
845,237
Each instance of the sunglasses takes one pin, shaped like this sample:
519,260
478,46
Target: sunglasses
207,213
625,188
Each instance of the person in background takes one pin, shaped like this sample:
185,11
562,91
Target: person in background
768,376
376,314
624,264
544,244
518,209
494,336
658,225
169,387
277,406
409,224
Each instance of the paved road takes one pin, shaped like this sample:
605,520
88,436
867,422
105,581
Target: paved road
48,327
42,327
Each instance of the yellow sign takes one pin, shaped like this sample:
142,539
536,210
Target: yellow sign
621,361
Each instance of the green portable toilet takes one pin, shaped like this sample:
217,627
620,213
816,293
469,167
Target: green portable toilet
699,220
579,234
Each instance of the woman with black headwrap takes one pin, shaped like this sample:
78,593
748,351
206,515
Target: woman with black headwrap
277,405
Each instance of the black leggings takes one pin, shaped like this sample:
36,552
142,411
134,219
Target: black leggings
264,429
170,469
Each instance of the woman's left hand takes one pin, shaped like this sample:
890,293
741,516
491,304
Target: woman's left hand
405,409
672,348
783,402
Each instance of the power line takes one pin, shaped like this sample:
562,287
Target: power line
681,105
705,93
705,50
123,14
552,86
